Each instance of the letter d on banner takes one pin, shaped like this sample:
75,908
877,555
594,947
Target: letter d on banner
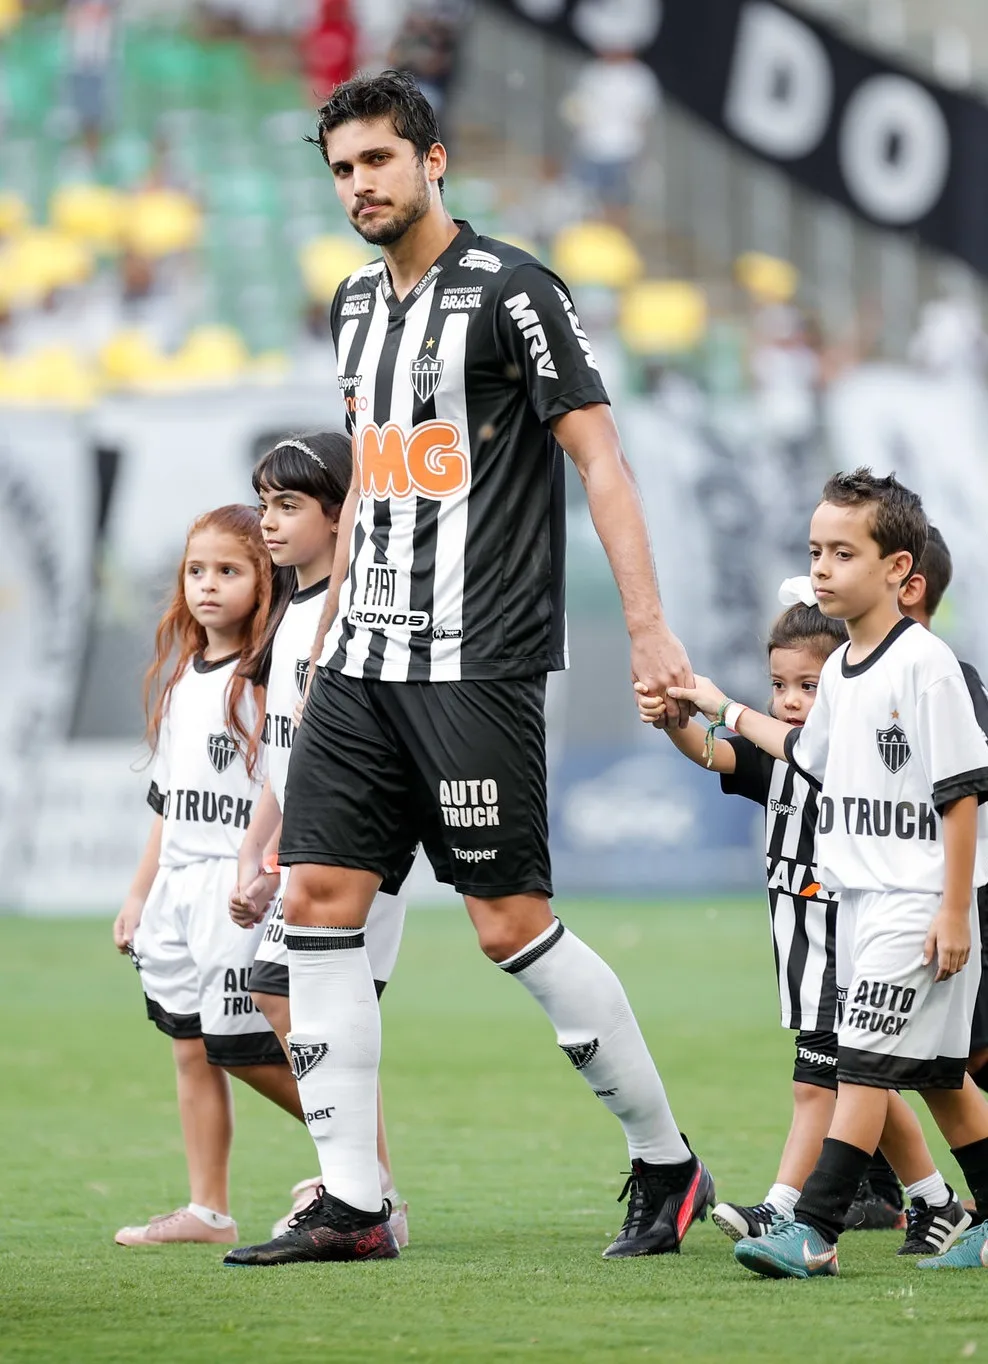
781,87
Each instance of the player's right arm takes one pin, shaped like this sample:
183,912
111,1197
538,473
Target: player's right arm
125,924
341,567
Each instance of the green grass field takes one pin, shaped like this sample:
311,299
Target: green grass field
511,1168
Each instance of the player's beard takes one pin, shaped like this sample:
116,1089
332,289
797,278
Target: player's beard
392,229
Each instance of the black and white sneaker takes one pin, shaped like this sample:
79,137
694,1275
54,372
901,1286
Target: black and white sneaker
662,1206
736,1221
931,1231
328,1229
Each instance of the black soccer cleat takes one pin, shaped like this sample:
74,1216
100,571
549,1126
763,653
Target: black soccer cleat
876,1209
661,1208
737,1220
931,1231
326,1230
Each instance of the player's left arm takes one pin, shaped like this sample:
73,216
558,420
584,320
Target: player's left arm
949,938
590,437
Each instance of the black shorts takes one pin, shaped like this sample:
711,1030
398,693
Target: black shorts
379,767
979,1024
816,1059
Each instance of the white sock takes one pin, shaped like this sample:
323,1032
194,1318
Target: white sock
932,1190
783,1198
335,1046
594,1025
211,1218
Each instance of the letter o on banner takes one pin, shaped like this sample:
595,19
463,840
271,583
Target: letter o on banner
780,91
894,149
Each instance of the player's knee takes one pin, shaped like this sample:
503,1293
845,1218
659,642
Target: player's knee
329,896
190,1054
498,941
274,1009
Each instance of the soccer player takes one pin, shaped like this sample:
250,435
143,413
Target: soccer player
204,730
804,929
301,486
895,746
463,368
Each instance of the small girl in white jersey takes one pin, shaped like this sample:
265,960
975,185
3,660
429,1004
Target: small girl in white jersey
301,485
804,927
204,730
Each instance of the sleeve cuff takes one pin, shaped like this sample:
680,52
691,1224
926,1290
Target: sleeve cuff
791,740
974,783
561,403
156,800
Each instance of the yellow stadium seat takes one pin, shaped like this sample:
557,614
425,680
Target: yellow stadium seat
326,261
11,13
39,259
769,279
130,359
159,222
93,213
210,355
54,376
663,317
14,212
596,254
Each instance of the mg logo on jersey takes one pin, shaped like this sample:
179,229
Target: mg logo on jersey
527,322
222,751
427,462
894,748
425,374
301,673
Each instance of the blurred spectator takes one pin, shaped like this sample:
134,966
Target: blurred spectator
950,339
90,41
329,47
427,43
609,110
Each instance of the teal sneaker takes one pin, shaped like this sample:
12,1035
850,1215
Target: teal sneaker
790,1251
969,1251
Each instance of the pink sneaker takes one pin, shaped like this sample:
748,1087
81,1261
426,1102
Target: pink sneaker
173,1227
303,1193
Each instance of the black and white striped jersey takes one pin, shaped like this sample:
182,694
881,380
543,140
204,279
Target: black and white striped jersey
457,553
804,916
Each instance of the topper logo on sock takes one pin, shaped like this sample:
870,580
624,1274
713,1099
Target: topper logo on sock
305,1057
582,1053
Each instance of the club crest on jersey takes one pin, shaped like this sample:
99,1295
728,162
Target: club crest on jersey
306,1057
301,673
425,374
222,751
893,746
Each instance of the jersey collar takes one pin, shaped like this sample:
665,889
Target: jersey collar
457,246
201,666
856,669
307,593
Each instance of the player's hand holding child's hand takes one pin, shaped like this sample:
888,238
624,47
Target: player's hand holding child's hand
704,694
949,939
125,924
250,898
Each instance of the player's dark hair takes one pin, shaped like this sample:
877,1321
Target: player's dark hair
180,636
389,94
806,627
937,567
320,466
898,519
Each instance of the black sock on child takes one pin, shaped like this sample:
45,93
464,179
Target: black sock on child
830,1189
973,1160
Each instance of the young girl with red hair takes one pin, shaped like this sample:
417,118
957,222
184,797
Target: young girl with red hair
204,730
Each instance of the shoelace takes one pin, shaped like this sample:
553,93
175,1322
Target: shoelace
764,1214
316,1208
919,1220
640,1192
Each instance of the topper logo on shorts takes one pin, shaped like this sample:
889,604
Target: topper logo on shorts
527,322
306,1056
469,804
222,751
429,462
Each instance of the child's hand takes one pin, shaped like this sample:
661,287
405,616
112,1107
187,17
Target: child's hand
249,904
949,939
704,694
125,924
652,710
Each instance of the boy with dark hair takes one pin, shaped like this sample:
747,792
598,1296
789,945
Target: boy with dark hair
895,748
